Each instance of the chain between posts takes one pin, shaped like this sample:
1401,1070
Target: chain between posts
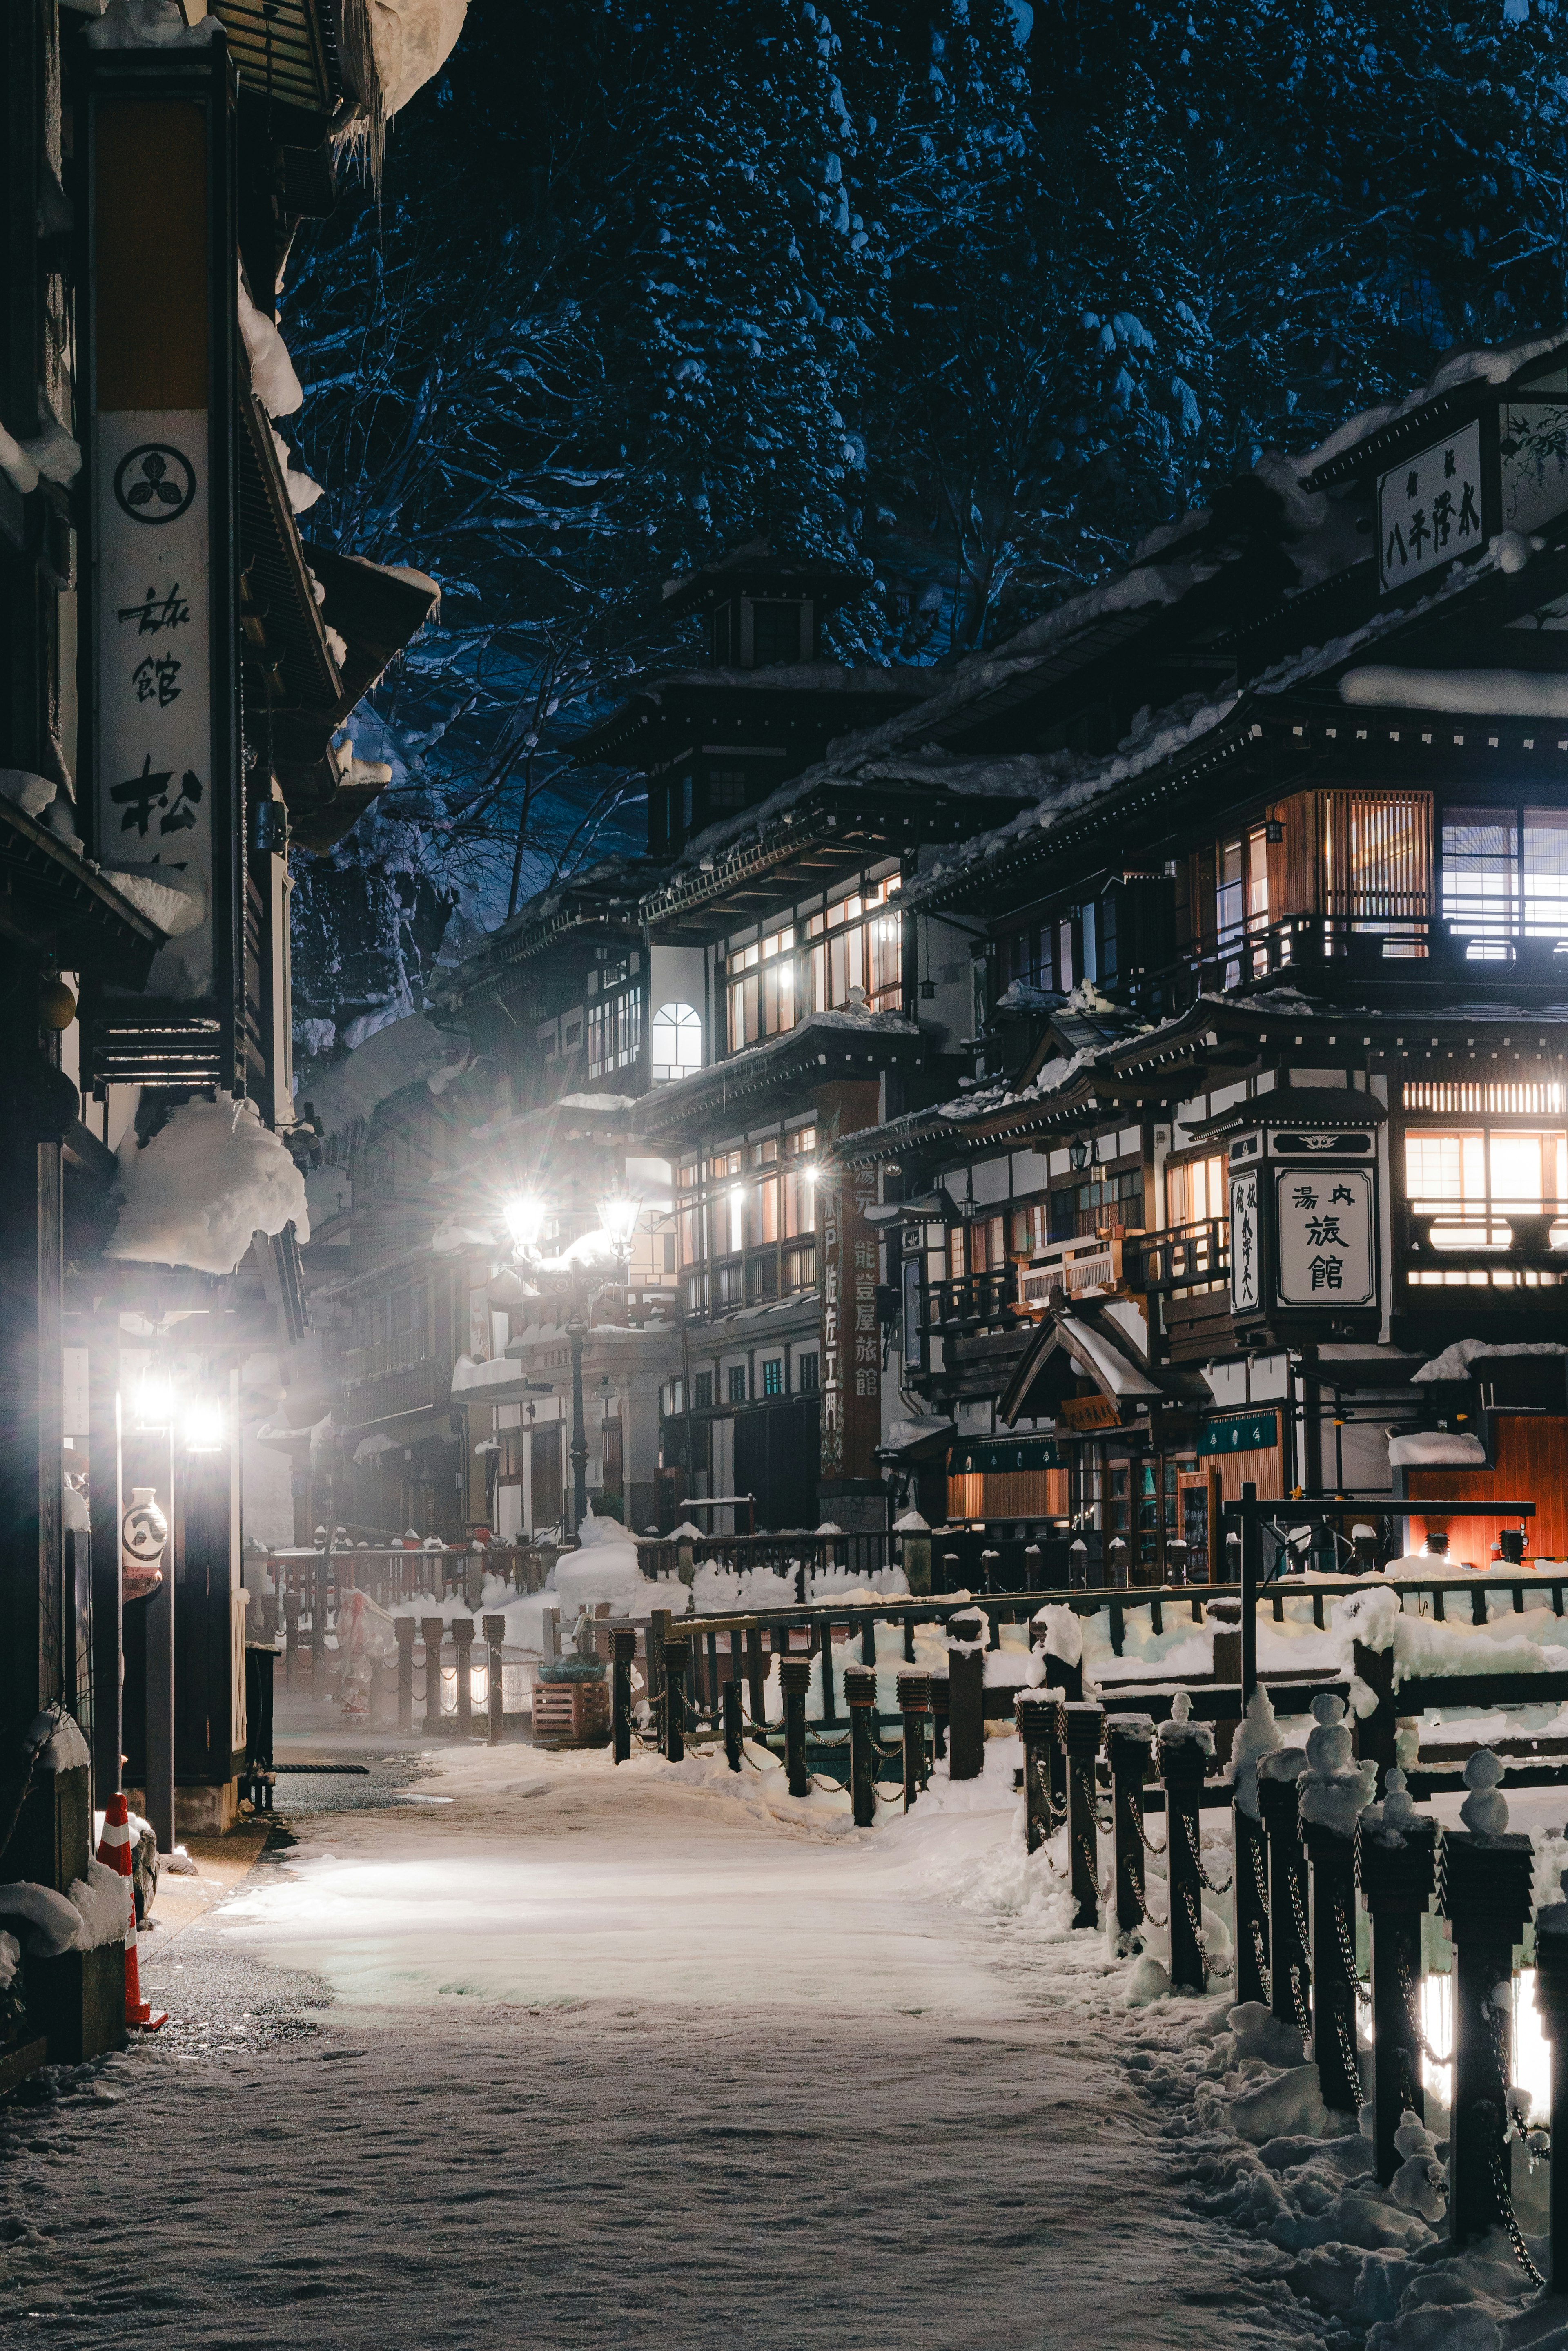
1194,1842
1408,1993
1260,1954
1210,1967
1303,2020
1347,1954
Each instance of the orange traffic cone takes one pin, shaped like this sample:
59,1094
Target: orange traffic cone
114,1852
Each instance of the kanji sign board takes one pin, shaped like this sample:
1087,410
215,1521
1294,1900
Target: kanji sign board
1324,1222
1430,509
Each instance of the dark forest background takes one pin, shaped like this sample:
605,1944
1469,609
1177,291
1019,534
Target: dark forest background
970,295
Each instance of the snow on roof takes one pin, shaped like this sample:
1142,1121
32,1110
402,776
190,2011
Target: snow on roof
1437,1448
1454,1362
406,1049
1494,363
1481,693
1105,1363
202,1186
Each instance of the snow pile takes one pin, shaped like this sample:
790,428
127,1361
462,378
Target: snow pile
605,1566
205,1182
1430,1448
272,379
1257,1735
1372,1618
412,40
721,1590
1457,1361
54,1922
837,1583
175,901
1333,1791
1063,1631
66,1749
102,1904
149,24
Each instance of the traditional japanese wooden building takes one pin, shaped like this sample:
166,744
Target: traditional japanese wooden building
179,669
1262,1175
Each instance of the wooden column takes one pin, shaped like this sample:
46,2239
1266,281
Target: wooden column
794,1676
1129,1743
433,1632
1552,2002
1333,2003
103,1473
623,1651
1290,1960
1082,1728
404,1629
1483,1891
1183,1766
966,1695
1396,1885
495,1631
1039,1720
677,1657
463,1642
860,1697
1249,1875
915,1707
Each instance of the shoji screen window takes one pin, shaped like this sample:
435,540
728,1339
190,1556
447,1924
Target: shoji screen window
1487,1187
1505,876
1195,1190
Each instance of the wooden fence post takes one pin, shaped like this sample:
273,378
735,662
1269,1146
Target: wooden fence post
1396,1885
676,1657
1040,1730
1183,1767
463,1642
290,1637
433,1632
657,1630
623,1650
1376,1735
405,1629
756,1677
860,1697
966,1695
915,1707
1129,1740
1552,2000
1334,1977
1483,1891
794,1676
1290,1960
1083,1726
734,1728
495,1631
1250,1871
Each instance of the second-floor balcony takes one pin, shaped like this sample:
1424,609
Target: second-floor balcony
1400,948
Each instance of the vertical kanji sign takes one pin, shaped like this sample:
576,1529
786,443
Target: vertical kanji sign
1246,1289
851,1424
1430,509
164,795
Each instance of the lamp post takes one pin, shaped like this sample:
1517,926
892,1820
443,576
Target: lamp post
570,1274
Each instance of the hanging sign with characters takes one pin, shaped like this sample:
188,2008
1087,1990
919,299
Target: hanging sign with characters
1430,509
1246,1288
154,667
1324,1216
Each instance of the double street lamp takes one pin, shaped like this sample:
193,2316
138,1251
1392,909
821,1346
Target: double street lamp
603,1255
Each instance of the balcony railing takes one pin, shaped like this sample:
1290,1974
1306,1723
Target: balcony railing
1515,1238
1414,947
973,1301
1184,1258
1083,1266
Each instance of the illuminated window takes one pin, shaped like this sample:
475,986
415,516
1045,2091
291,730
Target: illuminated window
676,1042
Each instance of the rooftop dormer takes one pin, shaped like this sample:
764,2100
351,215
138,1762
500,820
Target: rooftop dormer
764,611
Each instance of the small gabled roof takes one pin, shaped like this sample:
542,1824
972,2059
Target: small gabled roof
755,569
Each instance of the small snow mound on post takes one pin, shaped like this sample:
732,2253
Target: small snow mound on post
1334,1791
1370,1617
1181,1730
205,1182
1485,1809
1257,1735
1389,1821
1064,1632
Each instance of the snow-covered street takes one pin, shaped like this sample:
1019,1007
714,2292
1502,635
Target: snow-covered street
524,2049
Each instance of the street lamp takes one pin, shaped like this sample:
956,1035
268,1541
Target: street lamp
570,1273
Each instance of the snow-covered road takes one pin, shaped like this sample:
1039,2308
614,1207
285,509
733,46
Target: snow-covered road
575,2057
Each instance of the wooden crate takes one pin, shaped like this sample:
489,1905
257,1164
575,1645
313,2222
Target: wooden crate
571,1714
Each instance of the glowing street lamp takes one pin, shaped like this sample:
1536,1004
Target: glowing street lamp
525,1219
525,1222
205,1426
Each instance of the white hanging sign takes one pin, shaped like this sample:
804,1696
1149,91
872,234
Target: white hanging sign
1246,1288
154,769
1325,1237
1430,509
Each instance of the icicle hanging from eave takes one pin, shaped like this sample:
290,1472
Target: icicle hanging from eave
389,50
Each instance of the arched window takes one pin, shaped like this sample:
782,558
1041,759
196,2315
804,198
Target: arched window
676,1042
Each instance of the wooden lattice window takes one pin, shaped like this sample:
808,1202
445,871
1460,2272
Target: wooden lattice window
1377,857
